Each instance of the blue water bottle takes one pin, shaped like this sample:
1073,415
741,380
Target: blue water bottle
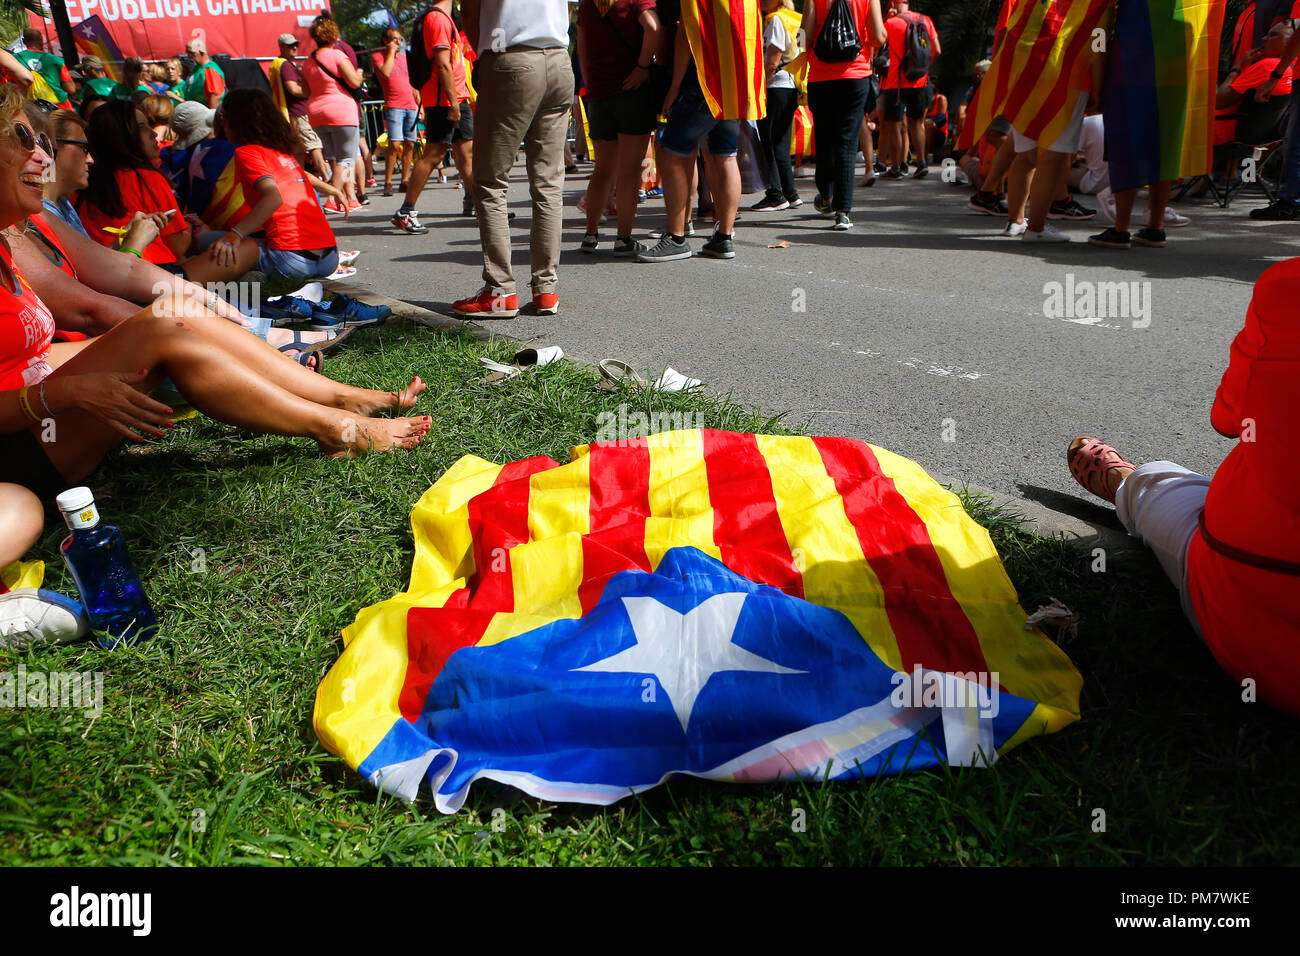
97,557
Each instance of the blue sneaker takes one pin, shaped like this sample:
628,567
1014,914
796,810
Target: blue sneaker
287,310
32,616
343,312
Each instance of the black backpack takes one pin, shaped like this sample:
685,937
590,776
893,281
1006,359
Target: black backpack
917,56
838,40
418,64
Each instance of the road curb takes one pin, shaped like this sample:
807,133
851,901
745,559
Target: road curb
1038,518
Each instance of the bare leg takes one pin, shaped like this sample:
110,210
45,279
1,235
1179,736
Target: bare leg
419,174
724,179
631,152
894,144
1019,178
1157,202
677,174
998,166
916,136
217,383
868,151
21,521
462,154
602,180
1124,208
1051,168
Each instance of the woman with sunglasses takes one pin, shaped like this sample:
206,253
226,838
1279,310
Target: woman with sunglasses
125,180
96,392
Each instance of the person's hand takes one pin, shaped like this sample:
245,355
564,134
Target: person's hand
143,229
453,113
215,303
114,398
224,250
668,101
636,79
1265,89
419,115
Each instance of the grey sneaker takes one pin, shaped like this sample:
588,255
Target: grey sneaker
665,250
719,247
624,248
590,242
842,222
659,233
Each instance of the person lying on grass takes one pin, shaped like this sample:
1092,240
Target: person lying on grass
64,405
124,180
1231,543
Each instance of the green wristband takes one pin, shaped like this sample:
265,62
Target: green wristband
135,252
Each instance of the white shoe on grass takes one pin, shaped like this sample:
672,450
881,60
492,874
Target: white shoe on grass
31,616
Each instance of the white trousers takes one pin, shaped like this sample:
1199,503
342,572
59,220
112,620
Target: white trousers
1161,503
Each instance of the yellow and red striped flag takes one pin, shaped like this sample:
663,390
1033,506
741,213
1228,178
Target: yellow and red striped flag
726,38
729,606
1042,60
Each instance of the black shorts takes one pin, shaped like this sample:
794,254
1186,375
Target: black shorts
23,462
913,102
439,129
629,113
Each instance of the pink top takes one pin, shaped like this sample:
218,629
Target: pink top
397,88
330,104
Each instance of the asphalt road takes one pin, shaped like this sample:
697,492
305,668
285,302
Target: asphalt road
922,329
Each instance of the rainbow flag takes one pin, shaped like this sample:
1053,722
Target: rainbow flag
1042,59
92,39
734,607
1160,86
726,38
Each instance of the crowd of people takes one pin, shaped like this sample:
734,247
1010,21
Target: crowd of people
166,179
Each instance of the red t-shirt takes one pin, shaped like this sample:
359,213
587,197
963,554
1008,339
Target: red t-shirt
1248,614
896,32
1225,120
299,223
440,34
398,94
143,190
26,330
613,42
818,70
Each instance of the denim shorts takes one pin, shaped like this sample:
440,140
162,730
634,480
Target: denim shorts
400,124
690,119
295,265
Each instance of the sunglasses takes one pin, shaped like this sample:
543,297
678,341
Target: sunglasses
83,144
29,140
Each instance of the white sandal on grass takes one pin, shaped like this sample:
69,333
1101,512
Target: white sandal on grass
523,358
617,372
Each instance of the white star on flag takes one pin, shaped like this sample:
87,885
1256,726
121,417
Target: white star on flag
683,651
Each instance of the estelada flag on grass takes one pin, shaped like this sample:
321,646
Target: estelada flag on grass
1161,77
1042,60
735,607
725,37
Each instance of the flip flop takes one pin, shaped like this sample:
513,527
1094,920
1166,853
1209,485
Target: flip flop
342,272
1091,462
305,352
349,257
500,372
617,373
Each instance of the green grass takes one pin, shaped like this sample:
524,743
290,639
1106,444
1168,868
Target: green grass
205,752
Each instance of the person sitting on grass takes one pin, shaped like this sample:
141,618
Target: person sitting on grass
84,397
1231,543
124,180
107,286
299,242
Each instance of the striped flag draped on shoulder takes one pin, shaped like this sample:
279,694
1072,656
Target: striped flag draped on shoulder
726,38
1042,55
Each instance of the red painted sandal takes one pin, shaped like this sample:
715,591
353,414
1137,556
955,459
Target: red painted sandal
1090,461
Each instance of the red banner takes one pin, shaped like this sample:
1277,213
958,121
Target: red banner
158,29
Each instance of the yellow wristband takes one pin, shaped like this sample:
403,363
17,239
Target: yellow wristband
25,401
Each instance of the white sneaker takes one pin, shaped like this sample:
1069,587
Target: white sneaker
1015,229
1107,200
1049,234
1174,219
30,616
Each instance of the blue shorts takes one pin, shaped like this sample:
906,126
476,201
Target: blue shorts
690,119
296,265
400,124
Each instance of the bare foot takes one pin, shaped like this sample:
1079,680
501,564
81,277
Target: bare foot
368,401
360,436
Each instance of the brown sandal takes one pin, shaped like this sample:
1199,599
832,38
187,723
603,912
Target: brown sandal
1091,461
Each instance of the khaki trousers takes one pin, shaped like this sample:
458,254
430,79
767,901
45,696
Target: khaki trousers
524,96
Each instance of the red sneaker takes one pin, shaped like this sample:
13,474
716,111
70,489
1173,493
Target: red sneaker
546,303
353,205
488,304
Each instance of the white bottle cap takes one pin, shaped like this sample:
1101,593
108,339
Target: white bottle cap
78,507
